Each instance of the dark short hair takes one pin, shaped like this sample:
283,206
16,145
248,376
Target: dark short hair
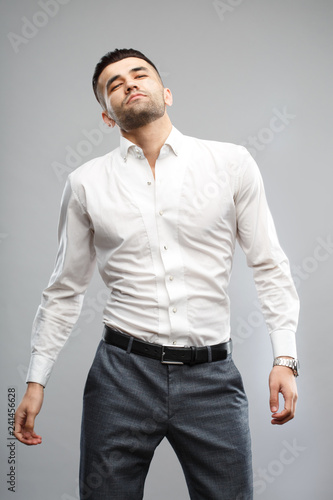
112,57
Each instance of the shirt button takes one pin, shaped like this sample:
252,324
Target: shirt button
174,342
149,183
165,247
174,310
170,278
161,212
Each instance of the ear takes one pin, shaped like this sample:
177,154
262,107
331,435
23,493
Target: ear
168,97
109,121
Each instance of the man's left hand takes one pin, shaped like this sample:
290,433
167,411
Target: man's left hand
282,380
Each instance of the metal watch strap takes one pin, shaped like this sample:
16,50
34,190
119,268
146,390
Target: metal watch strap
290,363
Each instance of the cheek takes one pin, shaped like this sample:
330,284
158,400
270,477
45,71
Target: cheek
113,105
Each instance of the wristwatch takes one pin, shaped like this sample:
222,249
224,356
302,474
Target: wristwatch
290,363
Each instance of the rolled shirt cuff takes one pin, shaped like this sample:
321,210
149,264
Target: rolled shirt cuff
283,343
40,369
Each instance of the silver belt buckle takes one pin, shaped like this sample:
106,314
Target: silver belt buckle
165,361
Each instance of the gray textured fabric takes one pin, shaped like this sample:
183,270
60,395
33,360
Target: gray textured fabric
132,402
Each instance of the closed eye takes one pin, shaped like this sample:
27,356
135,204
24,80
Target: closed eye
115,87
119,84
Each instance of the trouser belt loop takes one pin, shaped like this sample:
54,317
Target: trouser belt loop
193,355
129,347
209,351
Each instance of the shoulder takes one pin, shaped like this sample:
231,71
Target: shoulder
91,168
89,177
219,147
232,157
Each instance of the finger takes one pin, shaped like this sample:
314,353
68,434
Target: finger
282,417
24,429
19,420
28,440
274,399
18,426
287,413
26,437
288,405
18,434
29,423
282,421
30,436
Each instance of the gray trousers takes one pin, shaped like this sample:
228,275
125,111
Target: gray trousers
132,402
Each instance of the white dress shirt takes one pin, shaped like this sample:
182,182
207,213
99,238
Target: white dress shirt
164,248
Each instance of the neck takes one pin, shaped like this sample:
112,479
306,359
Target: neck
151,137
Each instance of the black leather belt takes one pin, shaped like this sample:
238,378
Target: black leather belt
165,353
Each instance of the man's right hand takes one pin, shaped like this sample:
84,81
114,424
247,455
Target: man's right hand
26,413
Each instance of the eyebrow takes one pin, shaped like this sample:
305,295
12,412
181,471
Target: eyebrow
113,78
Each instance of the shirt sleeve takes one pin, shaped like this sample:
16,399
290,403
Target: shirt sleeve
62,299
257,237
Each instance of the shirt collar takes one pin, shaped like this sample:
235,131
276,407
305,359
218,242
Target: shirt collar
172,144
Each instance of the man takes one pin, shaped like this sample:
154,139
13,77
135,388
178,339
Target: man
161,215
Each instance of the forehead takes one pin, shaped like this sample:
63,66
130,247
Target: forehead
123,68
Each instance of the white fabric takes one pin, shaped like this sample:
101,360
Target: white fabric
164,248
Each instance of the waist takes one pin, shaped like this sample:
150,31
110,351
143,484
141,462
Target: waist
168,354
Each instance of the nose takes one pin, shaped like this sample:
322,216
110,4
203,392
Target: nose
130,85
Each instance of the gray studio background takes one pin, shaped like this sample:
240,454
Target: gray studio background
255,72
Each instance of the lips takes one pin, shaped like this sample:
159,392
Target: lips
135,96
